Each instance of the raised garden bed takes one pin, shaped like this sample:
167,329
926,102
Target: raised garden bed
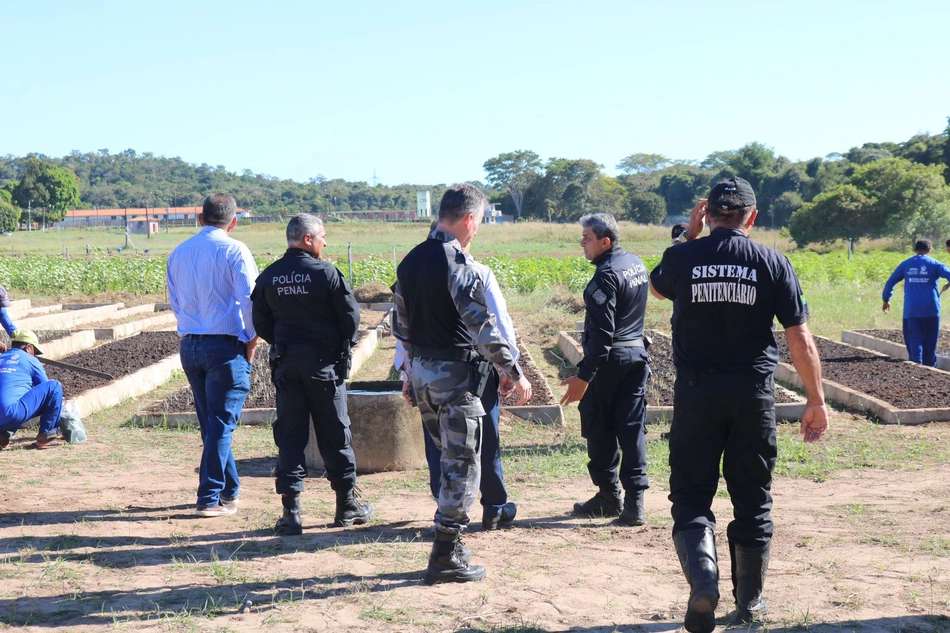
121,358
372,319
894,391
788,405
72,316
260,404
891,343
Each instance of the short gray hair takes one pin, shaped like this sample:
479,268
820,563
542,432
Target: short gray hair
461,199
302,225
603,225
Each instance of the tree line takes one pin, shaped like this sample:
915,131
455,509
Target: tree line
877,189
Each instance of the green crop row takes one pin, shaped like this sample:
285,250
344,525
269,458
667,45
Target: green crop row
146,275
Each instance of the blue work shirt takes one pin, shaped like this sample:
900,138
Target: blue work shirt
921,295
210,279
19,372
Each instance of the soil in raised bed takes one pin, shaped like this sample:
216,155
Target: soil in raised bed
663,374
371,319
902,384
540,393
261,396
119,358
897,336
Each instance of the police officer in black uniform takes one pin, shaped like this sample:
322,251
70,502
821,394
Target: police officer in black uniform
616,366
726,290
304,308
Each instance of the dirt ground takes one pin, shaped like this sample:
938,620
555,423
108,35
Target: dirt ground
102,536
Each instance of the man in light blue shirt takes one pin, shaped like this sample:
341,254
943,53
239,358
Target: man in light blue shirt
210,280
921,302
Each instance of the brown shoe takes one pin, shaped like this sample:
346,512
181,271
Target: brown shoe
216,511
49,440
4,439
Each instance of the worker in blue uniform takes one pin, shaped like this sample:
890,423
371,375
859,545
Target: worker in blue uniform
921,302
26,392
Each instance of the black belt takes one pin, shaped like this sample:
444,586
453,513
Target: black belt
213,337
634,343
461,354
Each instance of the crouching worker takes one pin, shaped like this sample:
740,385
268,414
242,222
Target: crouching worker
26,392
304,308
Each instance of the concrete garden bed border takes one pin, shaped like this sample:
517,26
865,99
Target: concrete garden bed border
252,417
574,353
888,348
540,413
865,403
73,316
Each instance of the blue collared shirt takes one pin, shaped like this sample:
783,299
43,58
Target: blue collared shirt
210,280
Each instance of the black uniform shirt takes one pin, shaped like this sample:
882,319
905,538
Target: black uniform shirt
305,304
726,290
616,300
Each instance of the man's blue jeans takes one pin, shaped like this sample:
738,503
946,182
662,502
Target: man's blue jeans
220,378
44,400
492,486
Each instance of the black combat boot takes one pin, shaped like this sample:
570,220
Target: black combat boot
290,524
606,503
696,549
749,566
349,511
632,509
447,562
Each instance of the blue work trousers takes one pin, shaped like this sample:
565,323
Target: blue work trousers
920,337
44,400
220,378
492,486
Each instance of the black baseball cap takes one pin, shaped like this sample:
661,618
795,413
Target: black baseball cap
734,186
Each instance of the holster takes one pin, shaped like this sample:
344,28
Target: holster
274,354
481,370
345,364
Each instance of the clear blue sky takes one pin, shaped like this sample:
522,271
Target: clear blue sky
425,92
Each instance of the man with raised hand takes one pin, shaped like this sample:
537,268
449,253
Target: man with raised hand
726,291
442,318
210,278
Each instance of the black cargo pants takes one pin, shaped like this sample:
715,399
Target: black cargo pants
729,417
309,390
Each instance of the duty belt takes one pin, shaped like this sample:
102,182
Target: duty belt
638,342
462,354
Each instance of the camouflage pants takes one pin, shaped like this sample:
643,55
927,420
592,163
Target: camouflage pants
452,415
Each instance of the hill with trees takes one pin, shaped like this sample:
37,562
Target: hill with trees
878,189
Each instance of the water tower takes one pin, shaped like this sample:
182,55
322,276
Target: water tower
423,204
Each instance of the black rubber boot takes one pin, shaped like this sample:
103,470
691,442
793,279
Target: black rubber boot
696,549
446,564
349,511
606,503
632,509
290,524
749,567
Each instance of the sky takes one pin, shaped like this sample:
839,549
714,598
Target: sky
425,92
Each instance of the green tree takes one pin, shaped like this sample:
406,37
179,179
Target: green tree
646,207
9,214
782,208
45,185
514,172
910,199
841,213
